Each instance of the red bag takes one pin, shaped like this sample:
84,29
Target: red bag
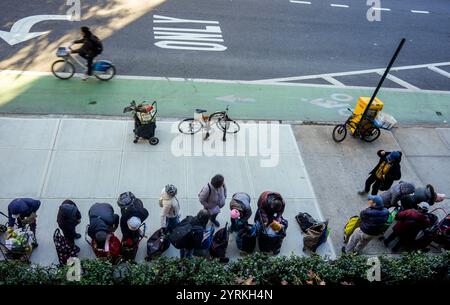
114,248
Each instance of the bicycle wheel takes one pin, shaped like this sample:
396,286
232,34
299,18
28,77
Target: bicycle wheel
230,126
189,126
63,69
371,134
339,133
106,75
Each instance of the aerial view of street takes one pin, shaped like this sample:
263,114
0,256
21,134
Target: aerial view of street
246,143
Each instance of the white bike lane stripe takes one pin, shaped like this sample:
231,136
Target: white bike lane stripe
225,81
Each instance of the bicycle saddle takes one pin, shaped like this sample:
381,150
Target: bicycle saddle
200,111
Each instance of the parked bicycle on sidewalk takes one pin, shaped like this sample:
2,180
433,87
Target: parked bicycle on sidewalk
203,121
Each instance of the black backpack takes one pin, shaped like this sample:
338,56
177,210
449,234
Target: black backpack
98,45
305,221
179,236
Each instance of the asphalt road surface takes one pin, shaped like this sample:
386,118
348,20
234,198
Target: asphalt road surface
247,39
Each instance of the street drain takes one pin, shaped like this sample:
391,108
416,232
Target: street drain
439,113
92,102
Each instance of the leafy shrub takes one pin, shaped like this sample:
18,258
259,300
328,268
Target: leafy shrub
258,269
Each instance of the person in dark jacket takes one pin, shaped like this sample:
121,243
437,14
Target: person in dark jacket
24,211
102,222
68,218
89,49
422,194
385,173
373,220
409,223
194,240
397,193
131,220
270,208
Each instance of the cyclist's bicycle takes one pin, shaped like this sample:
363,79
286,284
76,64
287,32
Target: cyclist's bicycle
203,121
65,68
365,128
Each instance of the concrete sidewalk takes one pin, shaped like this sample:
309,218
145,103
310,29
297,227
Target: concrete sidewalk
94,160
338,171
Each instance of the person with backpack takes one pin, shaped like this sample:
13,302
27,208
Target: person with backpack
409,223
397,193
188,234
23,210
170,212
91,47
133,215
68,218
213,196
102,223
422,194
385,173
372,224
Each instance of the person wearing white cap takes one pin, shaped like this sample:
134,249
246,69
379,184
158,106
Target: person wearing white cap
409,223
130,222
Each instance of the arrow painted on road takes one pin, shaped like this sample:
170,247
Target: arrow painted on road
20,31
233,99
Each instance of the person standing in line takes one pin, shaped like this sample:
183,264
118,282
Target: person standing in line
170,212
213,196
68,218
373,221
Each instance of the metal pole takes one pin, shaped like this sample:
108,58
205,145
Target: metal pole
386,72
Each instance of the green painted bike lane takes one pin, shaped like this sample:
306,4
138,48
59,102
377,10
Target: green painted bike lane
29,94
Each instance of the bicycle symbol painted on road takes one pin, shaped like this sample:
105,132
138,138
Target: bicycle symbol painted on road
336,101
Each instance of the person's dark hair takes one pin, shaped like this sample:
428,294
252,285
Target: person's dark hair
276,204
68,201
433,193
100,239
203,216
217,181
86,31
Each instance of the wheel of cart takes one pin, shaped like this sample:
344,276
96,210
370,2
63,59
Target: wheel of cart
144,116
129,248
360,126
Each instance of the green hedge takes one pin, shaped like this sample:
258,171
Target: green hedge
255,269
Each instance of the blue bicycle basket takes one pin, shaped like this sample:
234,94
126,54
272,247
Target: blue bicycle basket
102,66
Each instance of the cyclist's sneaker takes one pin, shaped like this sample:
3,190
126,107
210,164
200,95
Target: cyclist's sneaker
85,77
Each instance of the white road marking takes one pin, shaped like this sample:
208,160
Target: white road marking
400,82
381,9
218,81
300,2
339,5
297,78
333,81
420,12
440,71
188,38
20,31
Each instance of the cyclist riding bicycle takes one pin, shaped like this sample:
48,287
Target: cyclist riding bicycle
91,48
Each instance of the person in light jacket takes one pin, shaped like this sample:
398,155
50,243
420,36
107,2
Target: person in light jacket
213,196
170,212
